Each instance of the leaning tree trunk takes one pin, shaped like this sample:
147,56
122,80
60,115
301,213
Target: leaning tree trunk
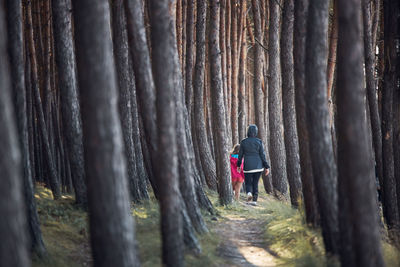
289,112
163,55
390,80
14,249
207,162
369,55
54,181
276,139
356,178
121,55
299,49
70,108
16,52
323,162
112,226
219,125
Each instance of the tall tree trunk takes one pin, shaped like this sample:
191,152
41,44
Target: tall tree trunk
226,34
125,84
289,112
369,55
16,52
54,181
276,139
235,70
219,119
390,208
112,226
163,55
333,39
14,249
189,57
67,81
143,79
323,163
242,113
356,177
206,158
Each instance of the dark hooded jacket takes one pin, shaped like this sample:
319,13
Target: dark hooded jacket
252,149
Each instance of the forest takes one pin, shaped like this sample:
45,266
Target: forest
119,118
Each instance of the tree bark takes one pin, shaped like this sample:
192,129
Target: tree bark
206,158
111,224
289,112
356,177
390,207
189,57
219,119
163,56
276,139
14,249
67,81
242,77
235,70
323,163
54,181
121,55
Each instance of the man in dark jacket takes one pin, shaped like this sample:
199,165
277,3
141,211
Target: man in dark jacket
252,149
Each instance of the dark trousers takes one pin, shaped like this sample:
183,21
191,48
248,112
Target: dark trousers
251,182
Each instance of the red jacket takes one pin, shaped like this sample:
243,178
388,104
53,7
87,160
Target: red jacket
234,173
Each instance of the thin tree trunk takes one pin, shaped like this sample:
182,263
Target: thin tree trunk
242,113
226,34
189,57
356,177
54,182
206,158
219,118
121,55
276,139
235,70
369,55
289,112
112,226
66,66
14,249
333,39
163,55
323,163
390,207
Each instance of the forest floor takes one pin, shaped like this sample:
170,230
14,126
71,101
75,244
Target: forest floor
269,234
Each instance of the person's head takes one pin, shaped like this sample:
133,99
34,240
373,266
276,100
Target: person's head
235,149
252,130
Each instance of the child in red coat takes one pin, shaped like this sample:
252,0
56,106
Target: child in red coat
237,177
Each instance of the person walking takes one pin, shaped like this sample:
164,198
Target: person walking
237,177
252,149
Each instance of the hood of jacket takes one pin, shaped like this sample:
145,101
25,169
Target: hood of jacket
252,130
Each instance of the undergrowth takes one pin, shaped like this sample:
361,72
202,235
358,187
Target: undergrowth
66,234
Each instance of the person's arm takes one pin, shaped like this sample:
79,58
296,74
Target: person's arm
240,157
262,156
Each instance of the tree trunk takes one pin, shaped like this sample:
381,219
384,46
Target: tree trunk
14,249
333,39
276,139
219,119
54,181
67,81
356,177
390,79
125,84
226,34
206,158
242,77
235,70
189,57
289,112
163,55
111,224
323,162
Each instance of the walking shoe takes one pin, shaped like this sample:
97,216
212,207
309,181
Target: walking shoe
249,196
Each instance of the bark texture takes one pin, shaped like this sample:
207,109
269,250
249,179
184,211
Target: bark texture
289,111
111,225
219,119
323,162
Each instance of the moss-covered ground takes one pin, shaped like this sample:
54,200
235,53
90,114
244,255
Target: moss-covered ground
285,234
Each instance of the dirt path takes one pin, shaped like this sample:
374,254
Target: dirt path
243,242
